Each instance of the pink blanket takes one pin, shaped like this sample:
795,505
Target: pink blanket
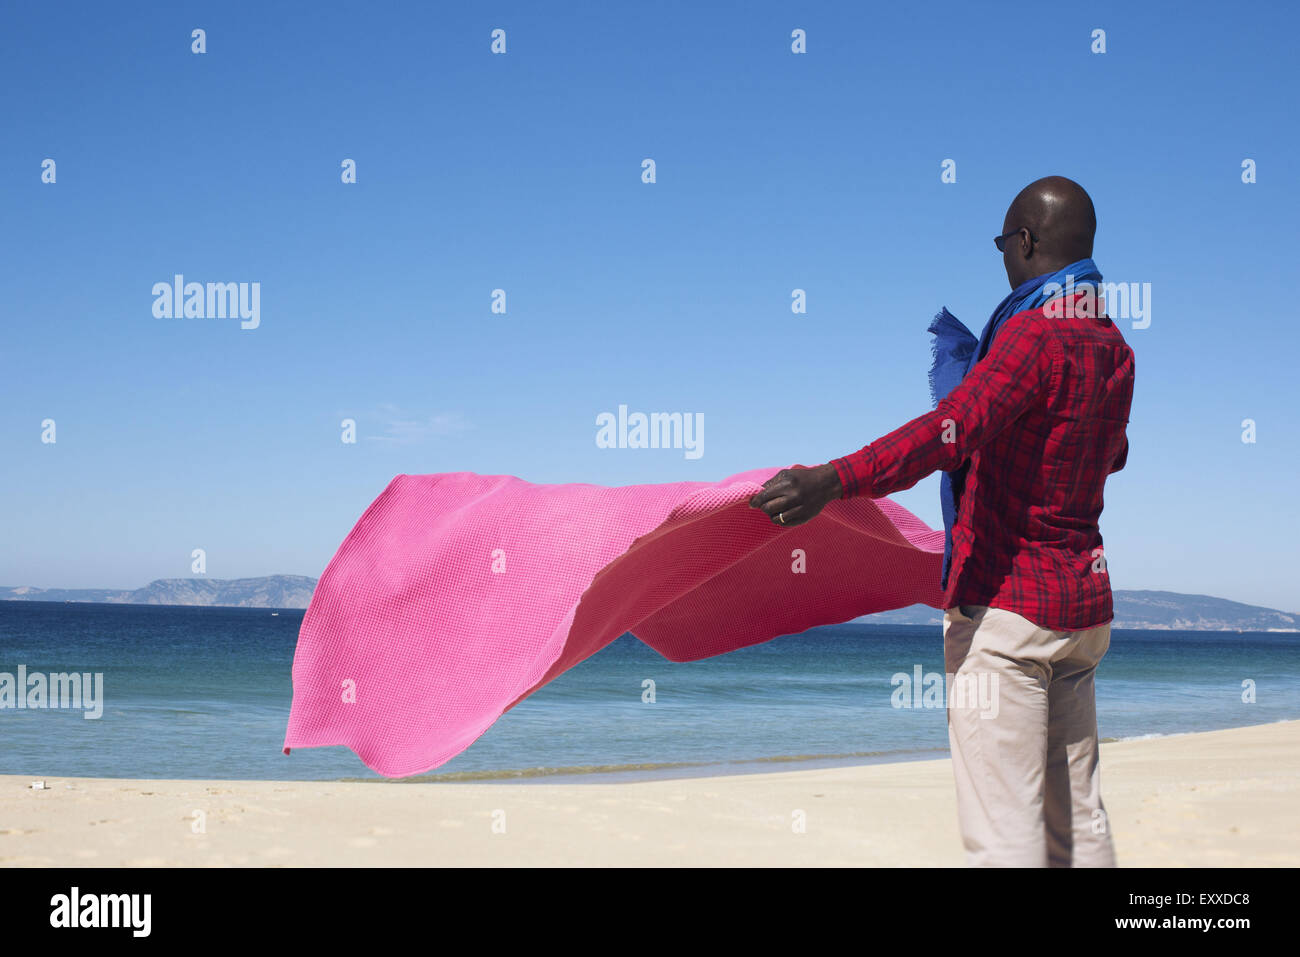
458,595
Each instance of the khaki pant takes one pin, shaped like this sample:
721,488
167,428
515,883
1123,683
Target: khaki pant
1022,723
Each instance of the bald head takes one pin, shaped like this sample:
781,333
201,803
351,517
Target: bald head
1056,225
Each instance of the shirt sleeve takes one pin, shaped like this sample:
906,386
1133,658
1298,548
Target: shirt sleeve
1120,460
996,392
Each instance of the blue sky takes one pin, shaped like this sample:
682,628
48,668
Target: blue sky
522,171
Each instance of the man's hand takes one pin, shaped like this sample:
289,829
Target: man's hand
795,495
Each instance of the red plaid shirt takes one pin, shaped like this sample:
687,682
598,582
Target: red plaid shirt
1042,419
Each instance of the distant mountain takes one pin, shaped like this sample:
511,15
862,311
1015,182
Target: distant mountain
1157,610
1160,610
273,591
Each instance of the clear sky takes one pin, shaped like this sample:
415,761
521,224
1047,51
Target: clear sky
775,171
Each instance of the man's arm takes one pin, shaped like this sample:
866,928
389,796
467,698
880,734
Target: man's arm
1016,371
997,391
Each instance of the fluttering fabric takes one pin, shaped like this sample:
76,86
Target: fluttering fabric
955,351
457,595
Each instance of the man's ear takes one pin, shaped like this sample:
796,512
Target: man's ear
1026,244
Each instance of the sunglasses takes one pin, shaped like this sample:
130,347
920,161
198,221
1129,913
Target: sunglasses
1001,241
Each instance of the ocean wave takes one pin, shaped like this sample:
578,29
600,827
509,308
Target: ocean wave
654,769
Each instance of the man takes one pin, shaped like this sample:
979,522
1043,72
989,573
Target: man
1034,422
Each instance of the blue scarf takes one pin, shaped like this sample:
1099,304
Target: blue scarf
956,350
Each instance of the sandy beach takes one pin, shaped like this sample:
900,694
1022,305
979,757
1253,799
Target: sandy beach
1221,798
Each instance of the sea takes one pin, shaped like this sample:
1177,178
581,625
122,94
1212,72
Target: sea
196,692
